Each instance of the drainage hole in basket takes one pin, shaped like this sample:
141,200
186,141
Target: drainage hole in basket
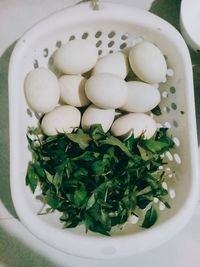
176,141
161,206
166,109
173,106
111,34
111,51
35,64
165,94
98,34
58,44
45,52
100,52
124,36
99,43
177,158
172,193
164,185
37,115
72,37
172,90
170,72
30,114
169,155
133,219
111,43
123,45
169,172
155,200
175,124
85,35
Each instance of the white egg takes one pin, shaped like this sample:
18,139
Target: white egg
148,62
107,91
42,90
72,90
138,123
63,119
95,115
116,63
76,57
142,97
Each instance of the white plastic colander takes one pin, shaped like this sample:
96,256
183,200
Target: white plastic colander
111,27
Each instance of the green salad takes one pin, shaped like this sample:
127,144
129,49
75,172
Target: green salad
96,179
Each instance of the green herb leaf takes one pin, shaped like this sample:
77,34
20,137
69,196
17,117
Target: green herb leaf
144,200
80,196
154,146
156,111
96,132
150,218
31,177
51,199
113,141
81,138
91,201
86,156
97,179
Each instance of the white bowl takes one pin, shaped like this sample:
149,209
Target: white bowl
189,21
112,27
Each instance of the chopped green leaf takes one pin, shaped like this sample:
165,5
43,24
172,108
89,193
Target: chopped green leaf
156,111
81,138
91,201
96,132
144,200
154,146
113,141
31,177
80,196
97,179
49,177
150,218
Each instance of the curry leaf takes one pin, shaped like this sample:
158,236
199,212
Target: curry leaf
113,141
156,111
150,217
31,177
94,178
81,138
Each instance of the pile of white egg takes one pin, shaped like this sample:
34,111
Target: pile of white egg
108,99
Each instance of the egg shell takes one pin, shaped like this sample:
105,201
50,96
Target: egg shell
95,115
72,90
42,90
116,63
63,119
76,57
142,97
107,91
148,62
138,123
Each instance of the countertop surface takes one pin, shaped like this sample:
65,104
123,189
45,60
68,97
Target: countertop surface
18,247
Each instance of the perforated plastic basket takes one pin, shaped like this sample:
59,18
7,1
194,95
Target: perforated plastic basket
113,27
